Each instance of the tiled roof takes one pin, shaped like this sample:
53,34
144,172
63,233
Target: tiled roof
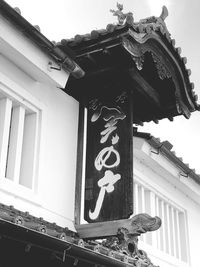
143,26
126,49
36,232
165,147
133,37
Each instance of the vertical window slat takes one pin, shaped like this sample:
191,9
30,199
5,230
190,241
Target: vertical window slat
136,206
15,144
139,199
178,233
29,146
168,230
182,228
148,210
158,232
143,199
174,233
140,205
5,117
143,237
163,226
153,213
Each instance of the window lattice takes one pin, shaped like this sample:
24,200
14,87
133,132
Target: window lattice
171,237
18,141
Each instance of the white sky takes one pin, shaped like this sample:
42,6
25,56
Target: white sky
62,19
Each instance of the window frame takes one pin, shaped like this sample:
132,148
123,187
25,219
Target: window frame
13,91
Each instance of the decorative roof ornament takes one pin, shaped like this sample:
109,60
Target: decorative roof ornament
148,43
154,19
155,22
17,10
122,17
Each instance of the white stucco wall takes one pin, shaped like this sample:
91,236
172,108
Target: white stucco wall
158,174
24,69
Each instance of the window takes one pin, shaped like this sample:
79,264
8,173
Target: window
171,237
19,129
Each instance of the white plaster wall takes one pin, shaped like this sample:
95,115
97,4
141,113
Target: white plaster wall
59,145
54,196
169,185
26,54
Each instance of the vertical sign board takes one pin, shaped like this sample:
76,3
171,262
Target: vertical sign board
109,159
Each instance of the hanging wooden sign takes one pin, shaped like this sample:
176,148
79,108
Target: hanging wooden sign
109,160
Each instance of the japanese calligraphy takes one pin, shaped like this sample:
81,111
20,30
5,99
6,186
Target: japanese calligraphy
106,184
108,157
104,155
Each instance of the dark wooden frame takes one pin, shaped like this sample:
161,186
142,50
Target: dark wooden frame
79,167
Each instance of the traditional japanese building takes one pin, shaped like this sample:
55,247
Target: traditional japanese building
80,185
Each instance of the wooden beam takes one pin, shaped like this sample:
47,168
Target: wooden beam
145,88
79,166
139,224
91,58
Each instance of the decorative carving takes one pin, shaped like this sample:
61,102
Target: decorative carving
19,220
146,25
162,70
135,50
127,243
138,62
129,19
122,17
143,223
121,98
154,19
182,108
156,22
143,259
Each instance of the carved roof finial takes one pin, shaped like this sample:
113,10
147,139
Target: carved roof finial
122,17
164,13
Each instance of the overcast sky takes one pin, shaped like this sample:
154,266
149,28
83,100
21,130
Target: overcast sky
65,18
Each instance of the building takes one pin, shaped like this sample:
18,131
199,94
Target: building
44,91
167,187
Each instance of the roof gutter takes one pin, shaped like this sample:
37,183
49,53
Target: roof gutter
65,61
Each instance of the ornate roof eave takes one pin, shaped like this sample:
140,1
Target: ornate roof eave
168,61
138,39
32,235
